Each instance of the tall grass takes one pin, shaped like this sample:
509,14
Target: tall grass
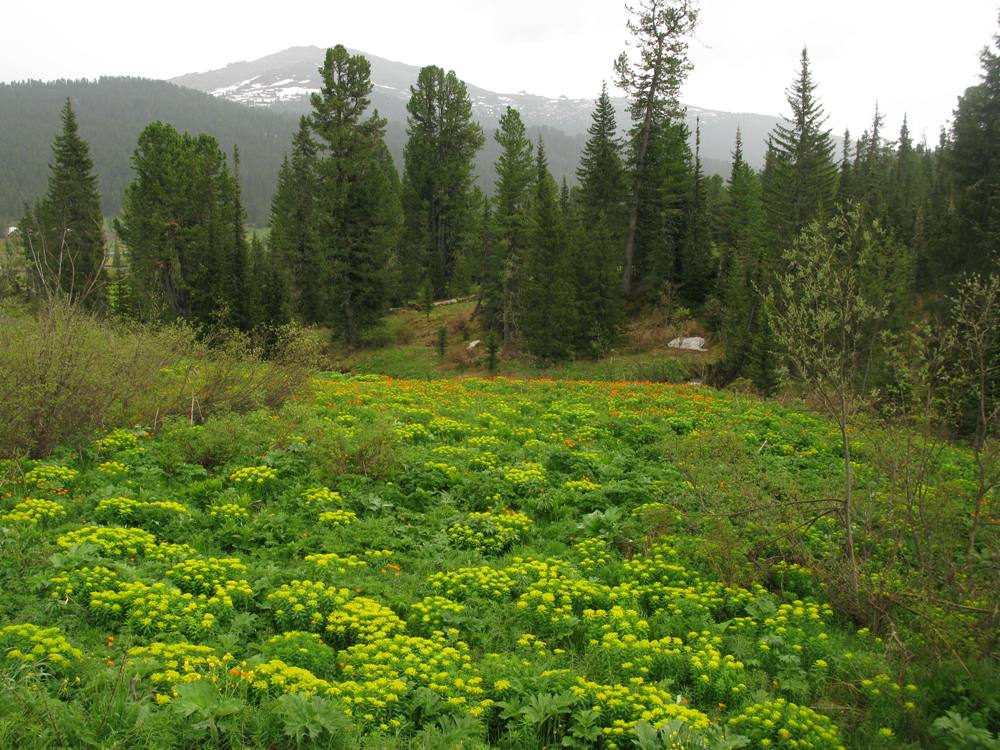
65,374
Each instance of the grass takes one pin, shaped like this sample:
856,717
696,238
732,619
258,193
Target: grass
407,348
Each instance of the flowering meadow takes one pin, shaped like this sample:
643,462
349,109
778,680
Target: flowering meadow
464,564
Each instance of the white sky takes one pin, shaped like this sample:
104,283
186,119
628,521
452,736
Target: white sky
910,55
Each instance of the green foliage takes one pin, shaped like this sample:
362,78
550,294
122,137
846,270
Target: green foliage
359,215
437,180
63,236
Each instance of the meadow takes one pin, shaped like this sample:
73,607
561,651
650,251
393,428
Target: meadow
472,563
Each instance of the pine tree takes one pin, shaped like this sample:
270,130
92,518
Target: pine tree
236,263
548,313
359,214
652,83
804,177
437,179
515,175
294,237
64,234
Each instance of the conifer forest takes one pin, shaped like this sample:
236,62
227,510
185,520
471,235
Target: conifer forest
376,453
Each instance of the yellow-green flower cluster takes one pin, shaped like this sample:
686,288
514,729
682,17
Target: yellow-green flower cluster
32,511
253,475
442,666
429,613
362,619
552,605
465,583
207,576
447,470
488,442
490,533
229,513
322,496
116,440
333,561
584,484
82,582
275,677
780,724
594,556
485,461
31,644
339,517
159,608
303,604
116,541
413,432
170,664
633,656
126,507
713,674
49,477
527,474
447,426
112,468
618,708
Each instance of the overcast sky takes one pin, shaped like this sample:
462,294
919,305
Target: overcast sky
915,56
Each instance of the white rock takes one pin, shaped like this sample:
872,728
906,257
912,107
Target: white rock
473,344
694,343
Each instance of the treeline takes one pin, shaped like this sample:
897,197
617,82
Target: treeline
555,270
114,110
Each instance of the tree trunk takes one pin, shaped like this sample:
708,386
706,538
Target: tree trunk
848,530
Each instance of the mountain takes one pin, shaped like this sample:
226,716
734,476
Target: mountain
283,81
111,113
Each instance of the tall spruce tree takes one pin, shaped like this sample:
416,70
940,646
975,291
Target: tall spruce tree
652,82
64,234
437,179
294,237
804,178
358,216
515,175
549,299
975,164
741,266
693,262
597,231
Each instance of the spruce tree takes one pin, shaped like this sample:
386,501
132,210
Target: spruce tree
741,270
763,357
549,312
179,222
294,237
693,271
515,175
358,215
64,234
975,162
804,178
437,179
597,232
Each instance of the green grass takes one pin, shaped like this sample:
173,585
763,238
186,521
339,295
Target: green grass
492,563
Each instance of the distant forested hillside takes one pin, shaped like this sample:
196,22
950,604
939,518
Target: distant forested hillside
113,111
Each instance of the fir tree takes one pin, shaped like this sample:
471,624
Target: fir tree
437,178
693,272
804,177
64,234
601,174
294,237
763,357
515,175
549,310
